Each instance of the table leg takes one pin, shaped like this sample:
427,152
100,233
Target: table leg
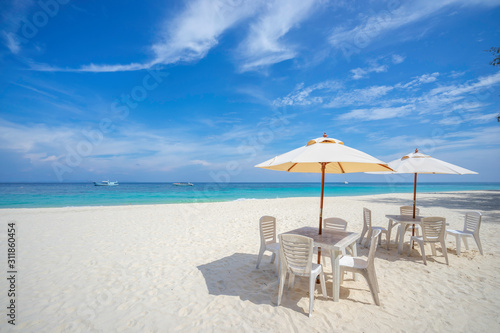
336,274
401,236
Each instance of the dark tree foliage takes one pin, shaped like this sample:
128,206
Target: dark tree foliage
496,53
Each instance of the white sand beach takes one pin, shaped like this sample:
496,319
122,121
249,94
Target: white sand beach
191,268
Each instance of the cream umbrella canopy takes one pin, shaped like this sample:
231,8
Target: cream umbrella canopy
420,163
324,155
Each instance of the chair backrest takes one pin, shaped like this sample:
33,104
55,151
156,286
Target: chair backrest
373,246
296,253
335,223
367,217
472,222
433,228
267,226
408,210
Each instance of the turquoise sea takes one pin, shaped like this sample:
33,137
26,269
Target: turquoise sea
34,195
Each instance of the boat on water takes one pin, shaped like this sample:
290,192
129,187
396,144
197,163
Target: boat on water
106,183
183,184
346,183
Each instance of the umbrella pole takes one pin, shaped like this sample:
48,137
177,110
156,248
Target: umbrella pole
414,194
323,165
414,205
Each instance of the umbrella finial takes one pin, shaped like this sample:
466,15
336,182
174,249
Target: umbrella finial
416,150
324,135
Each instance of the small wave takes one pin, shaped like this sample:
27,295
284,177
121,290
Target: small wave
244,199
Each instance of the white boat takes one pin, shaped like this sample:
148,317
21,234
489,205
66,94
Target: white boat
183,184
346,183
106,183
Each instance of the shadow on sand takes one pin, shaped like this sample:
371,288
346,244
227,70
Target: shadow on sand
236,275
488,204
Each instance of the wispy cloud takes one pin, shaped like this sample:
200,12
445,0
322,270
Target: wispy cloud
12,42
201,24
359,73
422,79
264,45
397,59
360,96
188,37
13,14
456,103
306,95
377,113
197,29
371,27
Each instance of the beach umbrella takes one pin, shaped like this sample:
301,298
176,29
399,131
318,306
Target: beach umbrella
424,164
324,155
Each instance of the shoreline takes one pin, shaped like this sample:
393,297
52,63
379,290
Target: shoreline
244,199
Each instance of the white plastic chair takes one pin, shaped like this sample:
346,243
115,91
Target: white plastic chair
365,267
296,254
368,229
433,231
472,224
405,210
335,224
267,227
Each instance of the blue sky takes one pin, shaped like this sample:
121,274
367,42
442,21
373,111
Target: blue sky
204,90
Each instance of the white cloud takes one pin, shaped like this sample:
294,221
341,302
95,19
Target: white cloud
200,25
358,96
305,95
377,113
352,39
419,80
397,59
359,73
12,42
264,45
197,29
13,14
454,103
453,120
187,37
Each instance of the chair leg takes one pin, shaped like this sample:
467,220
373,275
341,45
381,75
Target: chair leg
422,249
478,243
371,284
459,241
466,243
445,251
374,275
261,253
276,264
323,284
281,285
273,257
312,283
433,248
291,280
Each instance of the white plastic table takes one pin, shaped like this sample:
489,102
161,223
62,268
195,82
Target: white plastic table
404,220
336,241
